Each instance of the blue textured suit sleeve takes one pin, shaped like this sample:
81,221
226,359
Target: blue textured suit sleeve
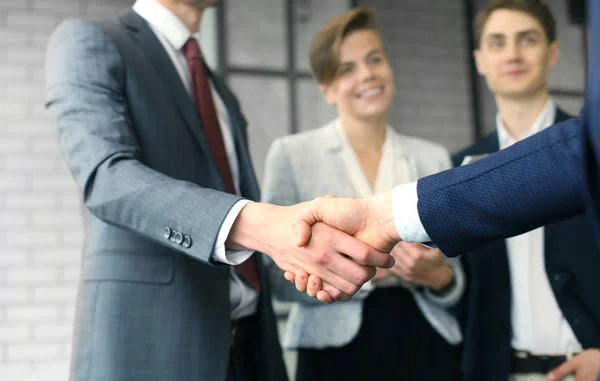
530,184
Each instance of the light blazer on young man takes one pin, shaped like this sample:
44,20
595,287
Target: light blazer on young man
488,326
151,306
290,178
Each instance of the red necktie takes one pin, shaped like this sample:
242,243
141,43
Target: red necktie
212,130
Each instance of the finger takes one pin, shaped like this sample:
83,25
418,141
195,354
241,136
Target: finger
362,253
333,267
290,276
303,232
409,250
409,262
314,285
403,262
563,370
402,271
301,280
335,294
324,297
345,274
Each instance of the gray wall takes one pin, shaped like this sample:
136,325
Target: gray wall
568,74
428,50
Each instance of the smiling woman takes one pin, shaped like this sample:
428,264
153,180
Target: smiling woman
360,155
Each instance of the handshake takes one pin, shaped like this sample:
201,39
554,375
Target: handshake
330,247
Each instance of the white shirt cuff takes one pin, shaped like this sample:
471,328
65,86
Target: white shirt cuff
220,253
406,214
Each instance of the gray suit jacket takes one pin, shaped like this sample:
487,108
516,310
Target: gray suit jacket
307,165
149,307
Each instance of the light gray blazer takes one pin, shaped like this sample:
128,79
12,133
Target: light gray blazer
307,165
152,305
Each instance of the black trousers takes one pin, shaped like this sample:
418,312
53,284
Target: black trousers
395,343
242,360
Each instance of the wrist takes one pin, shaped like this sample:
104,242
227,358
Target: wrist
441,279
246,231
381,208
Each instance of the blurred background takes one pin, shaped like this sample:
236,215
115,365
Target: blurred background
261,47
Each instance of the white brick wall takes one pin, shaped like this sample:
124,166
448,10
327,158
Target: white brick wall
40,221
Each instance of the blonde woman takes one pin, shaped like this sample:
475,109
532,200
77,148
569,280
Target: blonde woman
359,155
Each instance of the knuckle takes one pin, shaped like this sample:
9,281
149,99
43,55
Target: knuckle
320,257
360,254
351,289
363,276
335,294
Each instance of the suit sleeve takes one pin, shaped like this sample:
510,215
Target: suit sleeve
88,104
452,296
530,184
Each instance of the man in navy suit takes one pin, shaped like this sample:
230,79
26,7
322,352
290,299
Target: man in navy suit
548,177
531,327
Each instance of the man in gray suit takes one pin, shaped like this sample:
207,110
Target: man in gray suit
171,289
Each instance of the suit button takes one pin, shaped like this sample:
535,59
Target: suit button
556,277
173,234
187,242
178,238
167,233
576,321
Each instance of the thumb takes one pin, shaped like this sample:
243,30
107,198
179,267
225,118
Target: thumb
303,232
566,368
308,216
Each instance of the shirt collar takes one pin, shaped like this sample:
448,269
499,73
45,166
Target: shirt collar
545,119
164,22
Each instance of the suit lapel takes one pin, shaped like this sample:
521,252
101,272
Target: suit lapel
405,165
147,40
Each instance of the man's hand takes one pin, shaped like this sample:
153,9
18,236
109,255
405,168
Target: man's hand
420,265
415,264
341,261
369,220
584,367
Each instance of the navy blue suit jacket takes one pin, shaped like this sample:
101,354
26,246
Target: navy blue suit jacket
485,310
549,177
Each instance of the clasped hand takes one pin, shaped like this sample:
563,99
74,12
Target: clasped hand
368,220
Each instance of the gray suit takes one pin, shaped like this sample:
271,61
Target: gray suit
151,305
304,166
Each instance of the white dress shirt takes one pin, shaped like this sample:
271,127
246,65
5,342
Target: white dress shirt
537,322
173,34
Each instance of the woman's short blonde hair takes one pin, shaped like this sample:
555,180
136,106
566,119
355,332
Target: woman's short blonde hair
325,47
